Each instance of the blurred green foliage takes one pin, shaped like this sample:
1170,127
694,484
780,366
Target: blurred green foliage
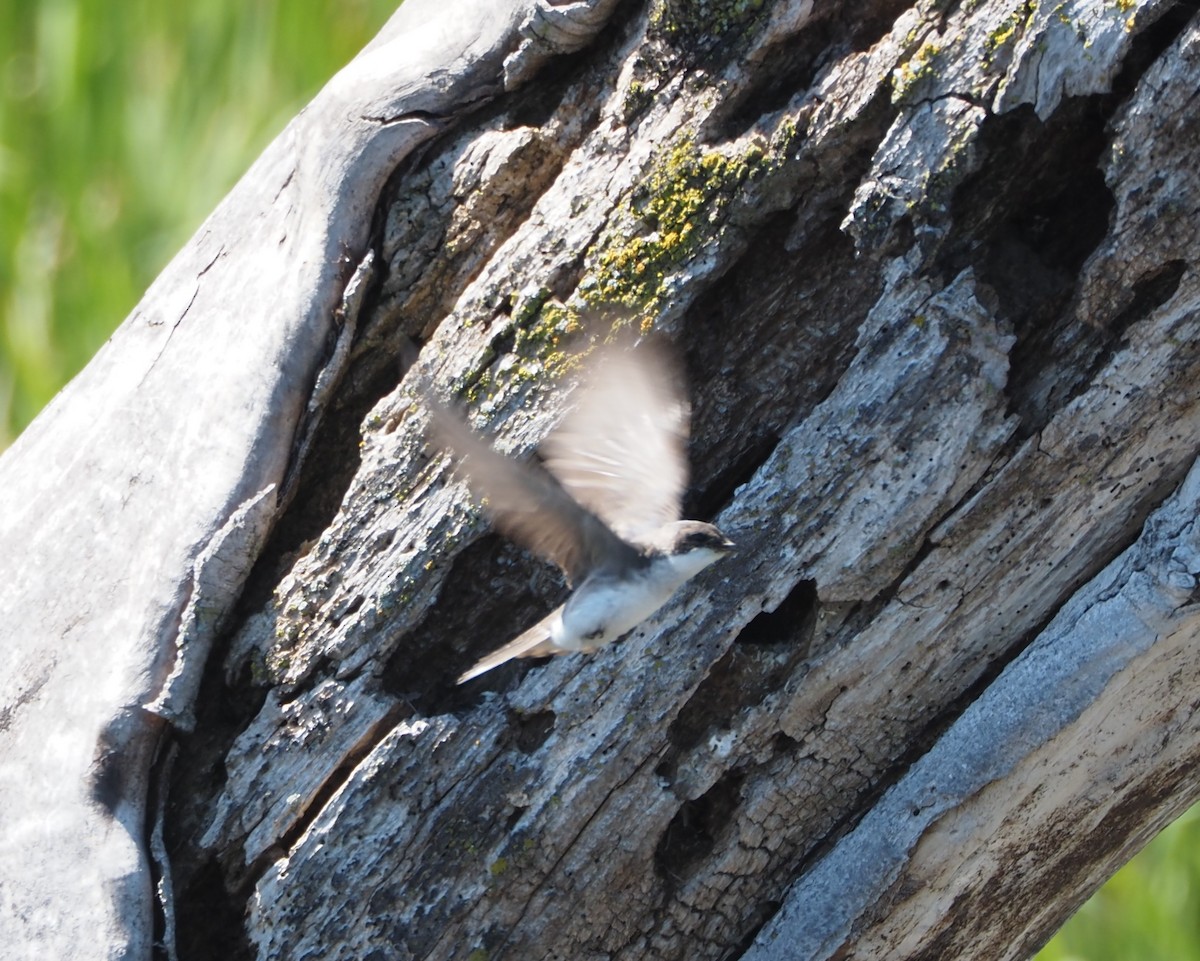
123,124
1148,911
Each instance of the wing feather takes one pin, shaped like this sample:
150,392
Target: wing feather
528,504
621,451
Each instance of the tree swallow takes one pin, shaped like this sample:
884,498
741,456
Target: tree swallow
606,506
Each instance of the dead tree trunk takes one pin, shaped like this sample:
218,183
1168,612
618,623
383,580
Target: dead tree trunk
932,269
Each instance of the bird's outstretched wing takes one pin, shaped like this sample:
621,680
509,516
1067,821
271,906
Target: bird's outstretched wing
621,451
529,505
534,642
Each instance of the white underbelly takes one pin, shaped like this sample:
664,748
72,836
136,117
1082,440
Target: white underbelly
598,614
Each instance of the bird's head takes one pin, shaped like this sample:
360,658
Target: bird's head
689,536
693,545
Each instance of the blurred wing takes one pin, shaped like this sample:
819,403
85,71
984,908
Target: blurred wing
622,451
528,504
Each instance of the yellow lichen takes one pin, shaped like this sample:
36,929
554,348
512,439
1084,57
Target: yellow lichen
1006,34
919,67
704,21
681,204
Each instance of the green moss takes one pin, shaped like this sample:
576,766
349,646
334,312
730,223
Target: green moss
785,138
476,382
941,182
909,75
681,205
540,327
1007,33
480,387
541,339
705,23
527,303
287,631
498,867
638,98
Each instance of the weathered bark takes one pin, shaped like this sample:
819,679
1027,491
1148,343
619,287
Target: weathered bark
933,271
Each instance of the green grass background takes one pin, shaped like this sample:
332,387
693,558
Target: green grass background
123,122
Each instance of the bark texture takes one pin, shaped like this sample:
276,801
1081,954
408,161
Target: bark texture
932,270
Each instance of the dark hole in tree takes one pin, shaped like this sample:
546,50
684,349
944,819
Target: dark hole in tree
696,827
791,623
530,731
210,921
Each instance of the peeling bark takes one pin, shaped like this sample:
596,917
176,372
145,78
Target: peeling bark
932,269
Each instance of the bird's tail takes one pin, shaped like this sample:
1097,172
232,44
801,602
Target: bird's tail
535,642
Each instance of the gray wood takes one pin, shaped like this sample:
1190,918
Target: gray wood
932,274
135,504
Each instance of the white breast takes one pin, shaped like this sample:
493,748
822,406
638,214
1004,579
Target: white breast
603,609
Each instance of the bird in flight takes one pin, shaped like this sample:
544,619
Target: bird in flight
605,507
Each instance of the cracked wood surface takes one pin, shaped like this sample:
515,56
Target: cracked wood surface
932,271
135,505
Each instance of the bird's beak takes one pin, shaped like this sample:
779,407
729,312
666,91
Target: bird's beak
728,546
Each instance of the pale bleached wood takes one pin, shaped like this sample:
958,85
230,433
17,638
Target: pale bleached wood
136,503
939,310
1078,752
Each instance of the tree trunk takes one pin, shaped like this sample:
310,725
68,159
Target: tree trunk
932,271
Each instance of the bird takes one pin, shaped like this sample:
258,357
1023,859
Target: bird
604,505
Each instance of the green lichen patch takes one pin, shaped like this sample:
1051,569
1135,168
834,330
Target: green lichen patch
541,332
477,381
540,342
706,26
998,44
944,177
911,76
682,204
639,95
